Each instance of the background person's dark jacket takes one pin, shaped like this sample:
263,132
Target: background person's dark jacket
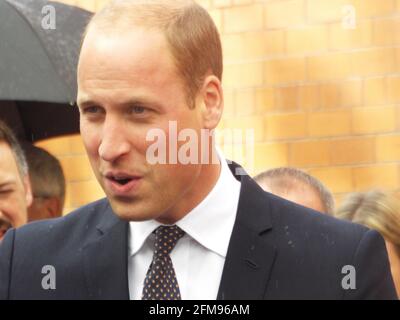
278,250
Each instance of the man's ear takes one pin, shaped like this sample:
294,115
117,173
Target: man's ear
53,207
28,191
212,102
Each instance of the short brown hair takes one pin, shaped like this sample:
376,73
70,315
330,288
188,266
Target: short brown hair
7,136
191,34
45,173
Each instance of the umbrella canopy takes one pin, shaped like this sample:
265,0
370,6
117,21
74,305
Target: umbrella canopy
38,66
34,121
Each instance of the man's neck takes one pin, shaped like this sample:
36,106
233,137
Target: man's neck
196,193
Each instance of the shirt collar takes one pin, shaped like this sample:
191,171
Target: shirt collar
210,223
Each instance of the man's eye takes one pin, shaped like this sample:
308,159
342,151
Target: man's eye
138,110
93,109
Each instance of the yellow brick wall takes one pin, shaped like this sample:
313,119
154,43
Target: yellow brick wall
319,96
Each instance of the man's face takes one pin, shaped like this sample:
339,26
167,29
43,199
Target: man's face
15,194
45,208
305,197
300,194
128,85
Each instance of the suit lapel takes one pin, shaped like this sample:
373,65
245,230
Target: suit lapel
250,257
106,260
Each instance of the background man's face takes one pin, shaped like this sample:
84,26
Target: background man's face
130,85
45,208
14,196
300,194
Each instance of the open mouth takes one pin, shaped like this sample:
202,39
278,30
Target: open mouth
121,181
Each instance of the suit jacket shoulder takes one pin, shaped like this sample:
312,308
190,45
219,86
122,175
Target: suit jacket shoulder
60,243
281,250
332,255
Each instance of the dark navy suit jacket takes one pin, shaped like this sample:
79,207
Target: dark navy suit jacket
278,250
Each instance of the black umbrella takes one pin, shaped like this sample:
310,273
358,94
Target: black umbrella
38,66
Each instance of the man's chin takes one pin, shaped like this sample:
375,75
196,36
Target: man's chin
132,211
129,216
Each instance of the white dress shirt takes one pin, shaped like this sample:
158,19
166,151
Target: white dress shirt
199,256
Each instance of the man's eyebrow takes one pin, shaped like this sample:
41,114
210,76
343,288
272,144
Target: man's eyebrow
139,101
130,102
84,103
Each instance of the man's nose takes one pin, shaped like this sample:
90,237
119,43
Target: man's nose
114,143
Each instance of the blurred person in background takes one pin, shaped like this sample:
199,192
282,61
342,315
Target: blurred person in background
48,184
15,190
379,211
297,186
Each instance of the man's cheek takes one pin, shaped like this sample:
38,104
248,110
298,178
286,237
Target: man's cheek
91,144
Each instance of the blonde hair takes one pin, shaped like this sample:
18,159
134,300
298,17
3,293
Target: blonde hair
375,209
191,34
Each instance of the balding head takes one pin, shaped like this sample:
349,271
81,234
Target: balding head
191,34
297,186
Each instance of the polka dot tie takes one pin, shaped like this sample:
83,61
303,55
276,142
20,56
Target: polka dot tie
161,282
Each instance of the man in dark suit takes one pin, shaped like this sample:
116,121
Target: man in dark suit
178,222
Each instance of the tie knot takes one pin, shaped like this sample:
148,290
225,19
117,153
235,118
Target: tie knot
166,239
